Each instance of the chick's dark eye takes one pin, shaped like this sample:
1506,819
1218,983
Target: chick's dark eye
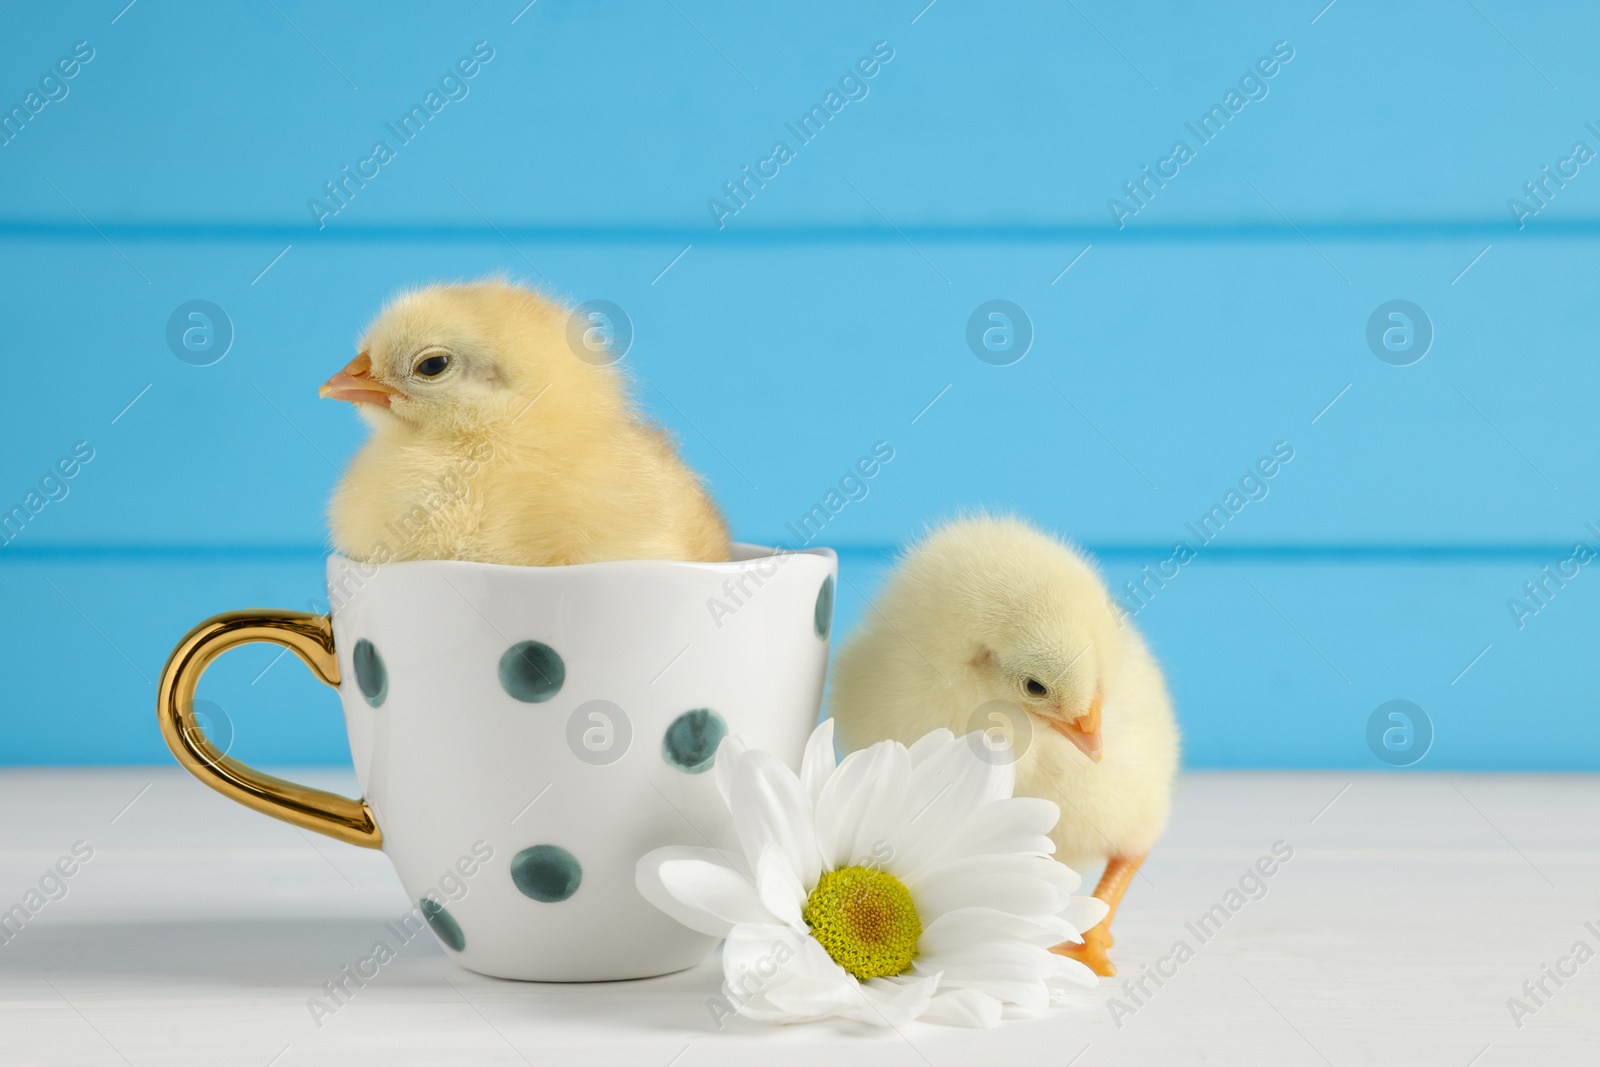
1035,687
433,366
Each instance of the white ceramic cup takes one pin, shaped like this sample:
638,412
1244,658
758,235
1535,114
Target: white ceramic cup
523,735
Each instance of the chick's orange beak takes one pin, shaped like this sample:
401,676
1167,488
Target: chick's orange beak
356,384
1084,731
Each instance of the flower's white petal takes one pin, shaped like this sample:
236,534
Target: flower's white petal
1007,886
859,808
946,788
819,760
775,973
809,985
998,960
779,888
699,888
716,891
1002,953
1066,877
1011,824
904,978
1018,815
796,1002
730,753
1068,977
929,743
1002,774
1036,884
770,809
1057,874
964,1007
760,952
1031,994
1015,972
893,1003
957,930
1085,912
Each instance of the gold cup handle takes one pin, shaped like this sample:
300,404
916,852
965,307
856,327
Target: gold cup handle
311,638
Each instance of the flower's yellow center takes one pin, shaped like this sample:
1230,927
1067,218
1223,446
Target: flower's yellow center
865,920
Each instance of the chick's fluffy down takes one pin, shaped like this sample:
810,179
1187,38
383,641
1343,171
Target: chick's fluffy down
521,452
971,613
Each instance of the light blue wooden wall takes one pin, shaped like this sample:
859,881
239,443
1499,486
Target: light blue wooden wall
1221,318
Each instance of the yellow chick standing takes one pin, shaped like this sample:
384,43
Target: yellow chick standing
494,440
988,610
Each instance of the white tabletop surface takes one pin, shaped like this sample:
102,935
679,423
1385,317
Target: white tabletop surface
1415,906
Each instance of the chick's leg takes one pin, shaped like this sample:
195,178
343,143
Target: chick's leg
1092,953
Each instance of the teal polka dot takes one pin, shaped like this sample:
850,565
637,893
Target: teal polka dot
547,873
691,741
443,923
532,672
822,621
371,675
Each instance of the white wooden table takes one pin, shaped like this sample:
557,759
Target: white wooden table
1414,907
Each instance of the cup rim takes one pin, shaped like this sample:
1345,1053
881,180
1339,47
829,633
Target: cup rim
746,555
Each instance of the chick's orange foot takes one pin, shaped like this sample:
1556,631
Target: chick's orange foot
1114,883
1092,953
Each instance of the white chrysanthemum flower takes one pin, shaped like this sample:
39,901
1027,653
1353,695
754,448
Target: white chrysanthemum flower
904,883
